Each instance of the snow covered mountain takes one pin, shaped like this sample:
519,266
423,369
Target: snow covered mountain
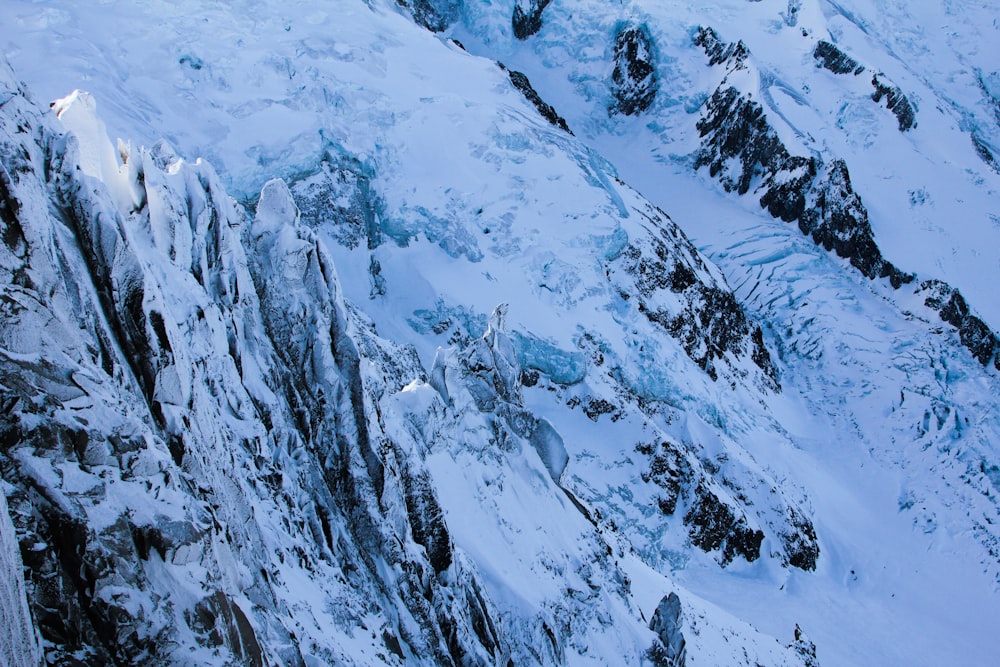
509,333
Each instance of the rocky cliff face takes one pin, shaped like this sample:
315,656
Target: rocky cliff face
829,56
193,436
895,100
521,82
435,15
832,58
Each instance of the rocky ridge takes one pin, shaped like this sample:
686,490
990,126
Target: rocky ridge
223,438
827,55
743,151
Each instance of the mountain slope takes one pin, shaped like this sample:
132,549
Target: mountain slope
213,458
804,438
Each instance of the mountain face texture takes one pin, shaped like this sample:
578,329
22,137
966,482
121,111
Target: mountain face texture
633,79
19,640
527,17
324,341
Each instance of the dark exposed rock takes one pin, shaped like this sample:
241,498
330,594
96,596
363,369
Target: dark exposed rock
735,131
680,278
672,472
712,324
835,60
527,17
633,80
15,256
801,545
805,648
976,335
760,355
973,333
713,525
895,100
733,55
435,15
595,407
670,649
984,152
427,520
734,126
947,301
521,82
837,220
13,235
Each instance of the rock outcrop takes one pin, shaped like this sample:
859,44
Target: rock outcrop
805,648
741,149
521,82
674,290
832,58
975,334
633,80
895,100
670,649
527,17
435,15
714,520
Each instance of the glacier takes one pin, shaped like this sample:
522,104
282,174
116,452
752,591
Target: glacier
500,333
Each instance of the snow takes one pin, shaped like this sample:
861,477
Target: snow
884,425
852,464
18,638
